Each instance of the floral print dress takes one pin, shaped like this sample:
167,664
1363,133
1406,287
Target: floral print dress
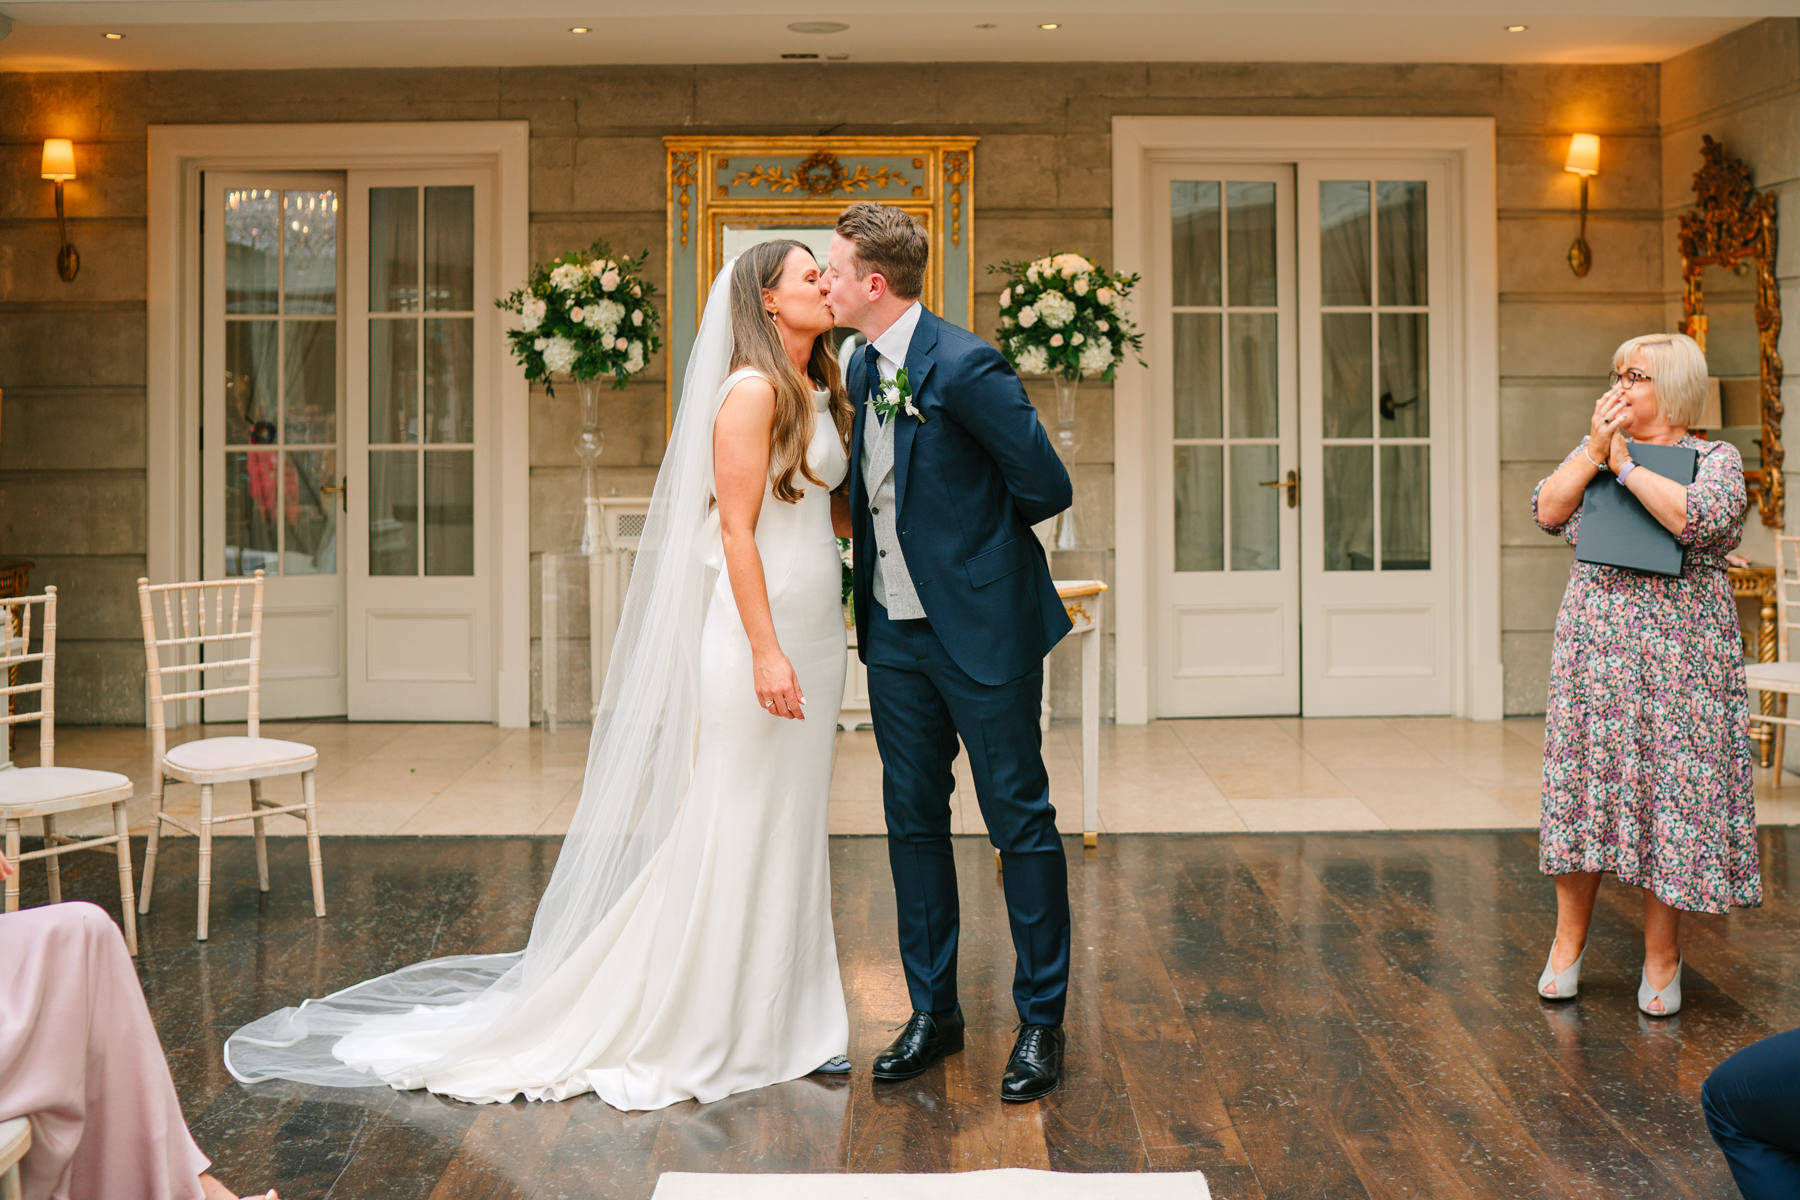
1647,769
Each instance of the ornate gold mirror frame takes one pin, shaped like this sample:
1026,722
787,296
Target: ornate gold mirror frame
1732,226
728,192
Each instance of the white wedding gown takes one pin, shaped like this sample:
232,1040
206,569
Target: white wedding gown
716,972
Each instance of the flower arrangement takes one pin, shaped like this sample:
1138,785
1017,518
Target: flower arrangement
1062,315
584,315
844,579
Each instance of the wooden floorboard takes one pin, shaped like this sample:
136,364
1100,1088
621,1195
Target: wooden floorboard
1297,1015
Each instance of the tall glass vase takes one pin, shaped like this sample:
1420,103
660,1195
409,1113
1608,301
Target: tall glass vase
1068,441
589,441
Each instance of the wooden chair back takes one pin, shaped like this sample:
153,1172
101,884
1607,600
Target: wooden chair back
16,652
1787,590
199,615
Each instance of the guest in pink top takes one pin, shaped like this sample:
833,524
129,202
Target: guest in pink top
80,1060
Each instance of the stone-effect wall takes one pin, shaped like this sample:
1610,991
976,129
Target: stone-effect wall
72,356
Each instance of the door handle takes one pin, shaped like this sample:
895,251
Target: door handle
1291,483
342,495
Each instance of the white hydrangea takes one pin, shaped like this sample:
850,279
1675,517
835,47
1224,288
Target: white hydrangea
601,266
559,355
1056,309
1056,339
539,344
1034,360
1096,356
634,358
1027,317
533,313
1080,286
1071,264
1032,273
567,277
604,316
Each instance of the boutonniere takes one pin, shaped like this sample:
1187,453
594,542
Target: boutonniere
896,396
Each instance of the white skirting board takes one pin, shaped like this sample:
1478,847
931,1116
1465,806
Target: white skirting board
967,1185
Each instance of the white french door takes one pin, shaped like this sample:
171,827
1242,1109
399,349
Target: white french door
1296,327
272,432
347,365
1229,623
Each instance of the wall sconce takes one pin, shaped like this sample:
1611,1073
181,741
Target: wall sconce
59,166
1583,160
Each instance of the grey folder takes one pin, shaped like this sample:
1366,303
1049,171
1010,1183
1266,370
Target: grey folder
1618,531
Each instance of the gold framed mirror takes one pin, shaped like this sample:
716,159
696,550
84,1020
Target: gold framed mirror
1731,306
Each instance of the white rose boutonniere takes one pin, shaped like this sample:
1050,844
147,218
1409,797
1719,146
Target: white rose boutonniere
896,396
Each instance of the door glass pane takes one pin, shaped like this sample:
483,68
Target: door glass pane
252,493
450,380
310,545
1199,509
1348,496
450,248
1400,227
1405,404
1255,510
309,400
1250,235
1347,379
393,512
251,396
1344,242
394,249
1197,364
251,242
1194,240
309,265
393,381
1254,383
1405,508
450,512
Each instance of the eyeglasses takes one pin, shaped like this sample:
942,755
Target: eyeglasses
1630,379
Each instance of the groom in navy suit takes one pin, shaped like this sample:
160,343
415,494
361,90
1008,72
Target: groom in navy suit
955,610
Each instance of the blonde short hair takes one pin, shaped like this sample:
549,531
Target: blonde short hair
1678,366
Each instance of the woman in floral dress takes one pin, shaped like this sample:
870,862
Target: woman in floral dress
1647,769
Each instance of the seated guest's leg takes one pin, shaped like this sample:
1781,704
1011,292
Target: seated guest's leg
1753,1110
79,1058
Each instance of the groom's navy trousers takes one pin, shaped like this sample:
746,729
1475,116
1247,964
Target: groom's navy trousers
921,701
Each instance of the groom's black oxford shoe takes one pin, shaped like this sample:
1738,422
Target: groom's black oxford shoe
924,1040
1035,1068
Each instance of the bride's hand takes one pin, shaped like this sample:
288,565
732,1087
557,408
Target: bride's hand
778,688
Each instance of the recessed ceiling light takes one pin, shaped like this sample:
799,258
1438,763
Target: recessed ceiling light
799,55
1515,29
817,27
1050,25
114,37
579,29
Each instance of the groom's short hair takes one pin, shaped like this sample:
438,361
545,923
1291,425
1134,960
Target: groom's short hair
889,240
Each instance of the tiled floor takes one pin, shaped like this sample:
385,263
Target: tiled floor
1215,776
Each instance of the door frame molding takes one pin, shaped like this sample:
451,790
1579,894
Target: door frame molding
178,154
1472,399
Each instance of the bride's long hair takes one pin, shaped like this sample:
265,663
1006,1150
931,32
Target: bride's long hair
756,342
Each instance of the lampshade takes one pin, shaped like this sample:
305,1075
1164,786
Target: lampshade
59,159
1584,155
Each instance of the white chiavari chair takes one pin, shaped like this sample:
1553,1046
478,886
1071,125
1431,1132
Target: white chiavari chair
196,616
1781,677
48,792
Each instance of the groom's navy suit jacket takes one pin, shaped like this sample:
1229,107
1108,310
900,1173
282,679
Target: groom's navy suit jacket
969,480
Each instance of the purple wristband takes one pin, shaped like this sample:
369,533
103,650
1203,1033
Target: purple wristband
1626,470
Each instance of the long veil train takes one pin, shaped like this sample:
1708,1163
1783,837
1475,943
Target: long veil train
430,1017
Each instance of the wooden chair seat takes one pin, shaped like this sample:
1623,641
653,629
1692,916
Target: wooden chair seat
28,792
15,1140
1773,677
46,791
233,759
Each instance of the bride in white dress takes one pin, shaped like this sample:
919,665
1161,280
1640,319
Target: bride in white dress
683,948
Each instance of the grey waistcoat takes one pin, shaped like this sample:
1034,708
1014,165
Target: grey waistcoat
893,584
